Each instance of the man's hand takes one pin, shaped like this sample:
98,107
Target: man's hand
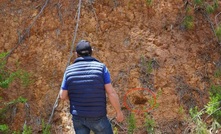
120,116
114,100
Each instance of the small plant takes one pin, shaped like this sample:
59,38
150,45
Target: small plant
149,2
214,105
149,124
188,22
16,101
7,106
2,61
131,123
181,110
24,77
217,73
200,126
147,65
27,130
16,132
115,131
198,2
7,77
209,9
152,102
215,4
45,127
218,32
4,128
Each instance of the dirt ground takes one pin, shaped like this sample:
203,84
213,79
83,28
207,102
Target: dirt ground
129,36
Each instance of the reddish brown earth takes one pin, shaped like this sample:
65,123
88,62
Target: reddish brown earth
122,34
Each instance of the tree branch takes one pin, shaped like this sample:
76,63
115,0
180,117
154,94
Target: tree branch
26,33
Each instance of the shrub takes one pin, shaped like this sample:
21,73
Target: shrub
6,78
214,105
150,124
4,128
200,126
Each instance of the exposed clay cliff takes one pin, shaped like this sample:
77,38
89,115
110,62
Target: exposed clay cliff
127,35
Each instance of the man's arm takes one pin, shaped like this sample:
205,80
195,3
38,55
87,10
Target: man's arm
64,94
114,100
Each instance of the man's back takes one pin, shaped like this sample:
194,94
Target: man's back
85,84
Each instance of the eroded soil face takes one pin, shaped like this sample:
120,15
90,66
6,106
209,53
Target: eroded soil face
129,37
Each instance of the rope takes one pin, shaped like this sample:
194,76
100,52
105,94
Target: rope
69,59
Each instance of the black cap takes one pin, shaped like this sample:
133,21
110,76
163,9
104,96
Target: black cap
83,48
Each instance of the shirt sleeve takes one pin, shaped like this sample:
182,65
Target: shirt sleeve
107,78
63,84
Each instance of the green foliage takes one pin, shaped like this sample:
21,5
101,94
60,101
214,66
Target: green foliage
7,77
149,67
188,22
115,131
153,103
215,90
149,2
4,128
199,5
214,105
198,2
131,123
2,62
4,83
217,73
45,127
209,9
194,113
146,65
181,110
7,106
212,108
16,132
149,124
16,101
27,130
218,32
24,77
200,127
215,4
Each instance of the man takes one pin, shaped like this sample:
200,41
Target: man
86,83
